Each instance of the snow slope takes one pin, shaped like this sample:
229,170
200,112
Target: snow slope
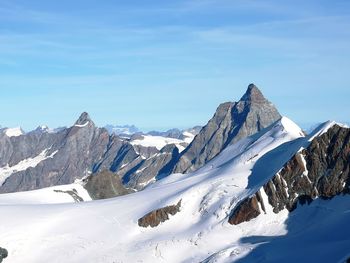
107,230
14,132
51,195
158,141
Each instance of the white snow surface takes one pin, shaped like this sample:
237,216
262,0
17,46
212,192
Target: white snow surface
47,129
188,137
82,125
49,195
158,141
107,230
14,132
7,171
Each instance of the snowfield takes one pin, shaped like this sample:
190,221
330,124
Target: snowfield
50,195
159,142
33,229
14,132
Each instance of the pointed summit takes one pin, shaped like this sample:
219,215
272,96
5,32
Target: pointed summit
84,120
253,94
231,122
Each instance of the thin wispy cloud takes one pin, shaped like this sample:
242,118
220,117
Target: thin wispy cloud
190,45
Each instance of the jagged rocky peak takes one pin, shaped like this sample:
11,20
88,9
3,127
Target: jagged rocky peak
84,120
253,94
231,122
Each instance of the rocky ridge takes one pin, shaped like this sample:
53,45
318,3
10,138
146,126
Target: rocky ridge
42,159
322,170
231,122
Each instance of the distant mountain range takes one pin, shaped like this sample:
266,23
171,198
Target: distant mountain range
46,157
122,129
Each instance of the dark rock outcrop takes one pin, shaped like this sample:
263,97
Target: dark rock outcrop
3,254
105,185
231,122
247,210
158,216
320,171
73,193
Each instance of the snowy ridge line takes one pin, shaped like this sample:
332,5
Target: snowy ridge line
324,127
81,125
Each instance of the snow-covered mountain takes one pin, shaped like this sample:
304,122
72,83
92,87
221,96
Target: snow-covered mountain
54,157
47,157
188,217
250,186
231,122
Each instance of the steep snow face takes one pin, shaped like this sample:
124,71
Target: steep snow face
107,230
7,171
14,132
158,141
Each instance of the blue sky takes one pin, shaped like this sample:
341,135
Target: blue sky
162,64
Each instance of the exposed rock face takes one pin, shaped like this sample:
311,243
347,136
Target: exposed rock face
158,216
152,168
320,171
74,153
105,185
246,210
231,122
70,154
73,193
3,254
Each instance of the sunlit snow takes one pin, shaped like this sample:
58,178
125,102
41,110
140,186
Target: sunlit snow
107,230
